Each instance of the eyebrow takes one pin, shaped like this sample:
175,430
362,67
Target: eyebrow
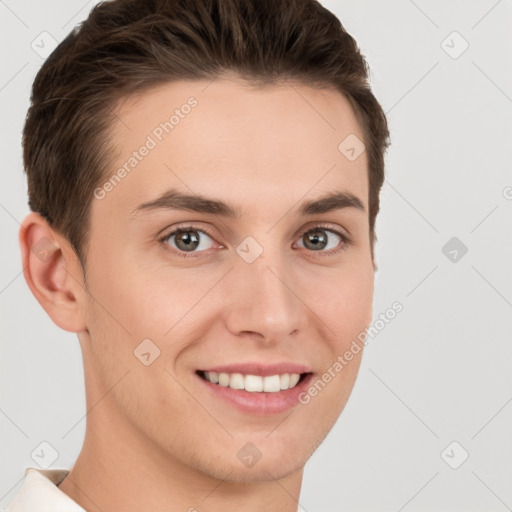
175,200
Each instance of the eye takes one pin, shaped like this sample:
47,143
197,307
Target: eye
187,240
319,238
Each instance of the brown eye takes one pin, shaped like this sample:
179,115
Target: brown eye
320,239
188,240
315,239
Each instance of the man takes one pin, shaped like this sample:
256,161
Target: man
204,179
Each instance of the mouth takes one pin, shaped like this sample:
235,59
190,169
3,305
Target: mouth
254,383
255,394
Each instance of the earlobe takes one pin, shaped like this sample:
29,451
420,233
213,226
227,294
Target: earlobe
50,267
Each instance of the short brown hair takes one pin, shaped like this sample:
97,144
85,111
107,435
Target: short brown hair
128,46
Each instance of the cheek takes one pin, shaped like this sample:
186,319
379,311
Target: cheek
343,300
344,304
137,301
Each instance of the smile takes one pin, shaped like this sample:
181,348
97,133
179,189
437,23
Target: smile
257,395
253,383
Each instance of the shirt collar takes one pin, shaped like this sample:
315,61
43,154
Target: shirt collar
39,492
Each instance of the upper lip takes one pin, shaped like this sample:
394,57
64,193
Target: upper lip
254,368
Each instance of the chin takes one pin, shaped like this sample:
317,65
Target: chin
264,472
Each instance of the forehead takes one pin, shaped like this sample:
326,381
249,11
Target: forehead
225,138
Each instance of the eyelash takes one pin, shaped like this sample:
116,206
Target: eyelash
346,241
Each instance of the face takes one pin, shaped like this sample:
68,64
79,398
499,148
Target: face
259,285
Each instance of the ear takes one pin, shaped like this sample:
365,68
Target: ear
53,273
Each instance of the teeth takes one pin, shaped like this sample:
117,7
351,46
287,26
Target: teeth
272,383
223,380
236,380
254,383
294,378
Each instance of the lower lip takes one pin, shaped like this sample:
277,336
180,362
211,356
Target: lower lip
259,403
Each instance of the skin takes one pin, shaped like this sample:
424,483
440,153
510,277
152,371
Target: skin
155,440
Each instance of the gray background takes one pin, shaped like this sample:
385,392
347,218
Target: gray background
441,370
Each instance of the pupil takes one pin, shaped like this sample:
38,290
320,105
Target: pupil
316,239
189,239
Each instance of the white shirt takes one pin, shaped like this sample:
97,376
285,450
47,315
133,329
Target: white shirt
39,493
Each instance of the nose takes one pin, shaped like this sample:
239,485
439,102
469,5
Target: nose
262,301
